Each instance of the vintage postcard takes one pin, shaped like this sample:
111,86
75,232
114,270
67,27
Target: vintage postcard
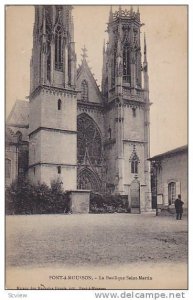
96,154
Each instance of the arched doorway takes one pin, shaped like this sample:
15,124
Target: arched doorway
87,180
135,196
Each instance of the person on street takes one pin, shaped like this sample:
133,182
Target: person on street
179,208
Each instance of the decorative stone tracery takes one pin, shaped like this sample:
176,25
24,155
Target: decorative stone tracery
134,160
89,140
89,153
87,180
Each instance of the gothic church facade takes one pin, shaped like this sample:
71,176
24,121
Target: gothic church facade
89,138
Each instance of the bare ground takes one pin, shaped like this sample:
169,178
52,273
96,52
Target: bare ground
109,251
86,240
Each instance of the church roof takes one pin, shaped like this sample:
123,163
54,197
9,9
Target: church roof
84,67
17,122
19,115
10,136
170,153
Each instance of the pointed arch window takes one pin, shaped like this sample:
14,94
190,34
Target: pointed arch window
134,160
134,166
135,36
48,60
48,13
7,168
114,59
69,67
137,69
84,90
126,64
58,49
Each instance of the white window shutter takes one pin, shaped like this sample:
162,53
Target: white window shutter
165,194
178,188
160,199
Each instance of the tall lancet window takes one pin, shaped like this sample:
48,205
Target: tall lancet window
69,67
48,60
137,69
48,53
84,90
134,160
7,168
48,14
126,64
58,49
134,166
114,66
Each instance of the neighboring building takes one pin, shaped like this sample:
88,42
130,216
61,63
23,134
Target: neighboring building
170,177
90,139
16,142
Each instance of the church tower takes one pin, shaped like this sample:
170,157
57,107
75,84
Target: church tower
127,109
53,97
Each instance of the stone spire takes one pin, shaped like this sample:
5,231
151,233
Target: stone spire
44,21
120,9
84,53
145,49
111,15
145,67
104,46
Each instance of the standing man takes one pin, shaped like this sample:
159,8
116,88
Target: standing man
179,209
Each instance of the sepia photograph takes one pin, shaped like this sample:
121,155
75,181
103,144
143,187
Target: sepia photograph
96,147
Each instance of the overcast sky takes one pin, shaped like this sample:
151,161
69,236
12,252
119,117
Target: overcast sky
166,33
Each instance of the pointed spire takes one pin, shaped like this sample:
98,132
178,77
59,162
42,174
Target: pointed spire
72,29
120,9
84,55
107,49
104,47
145,49
44,21
138,13
111,15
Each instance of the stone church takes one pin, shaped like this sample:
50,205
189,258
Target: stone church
90,139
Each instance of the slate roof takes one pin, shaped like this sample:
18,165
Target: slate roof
170,153
19,114
18,120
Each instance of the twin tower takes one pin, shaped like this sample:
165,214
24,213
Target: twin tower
90,139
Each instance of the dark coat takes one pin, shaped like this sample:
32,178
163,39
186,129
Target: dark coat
178,205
